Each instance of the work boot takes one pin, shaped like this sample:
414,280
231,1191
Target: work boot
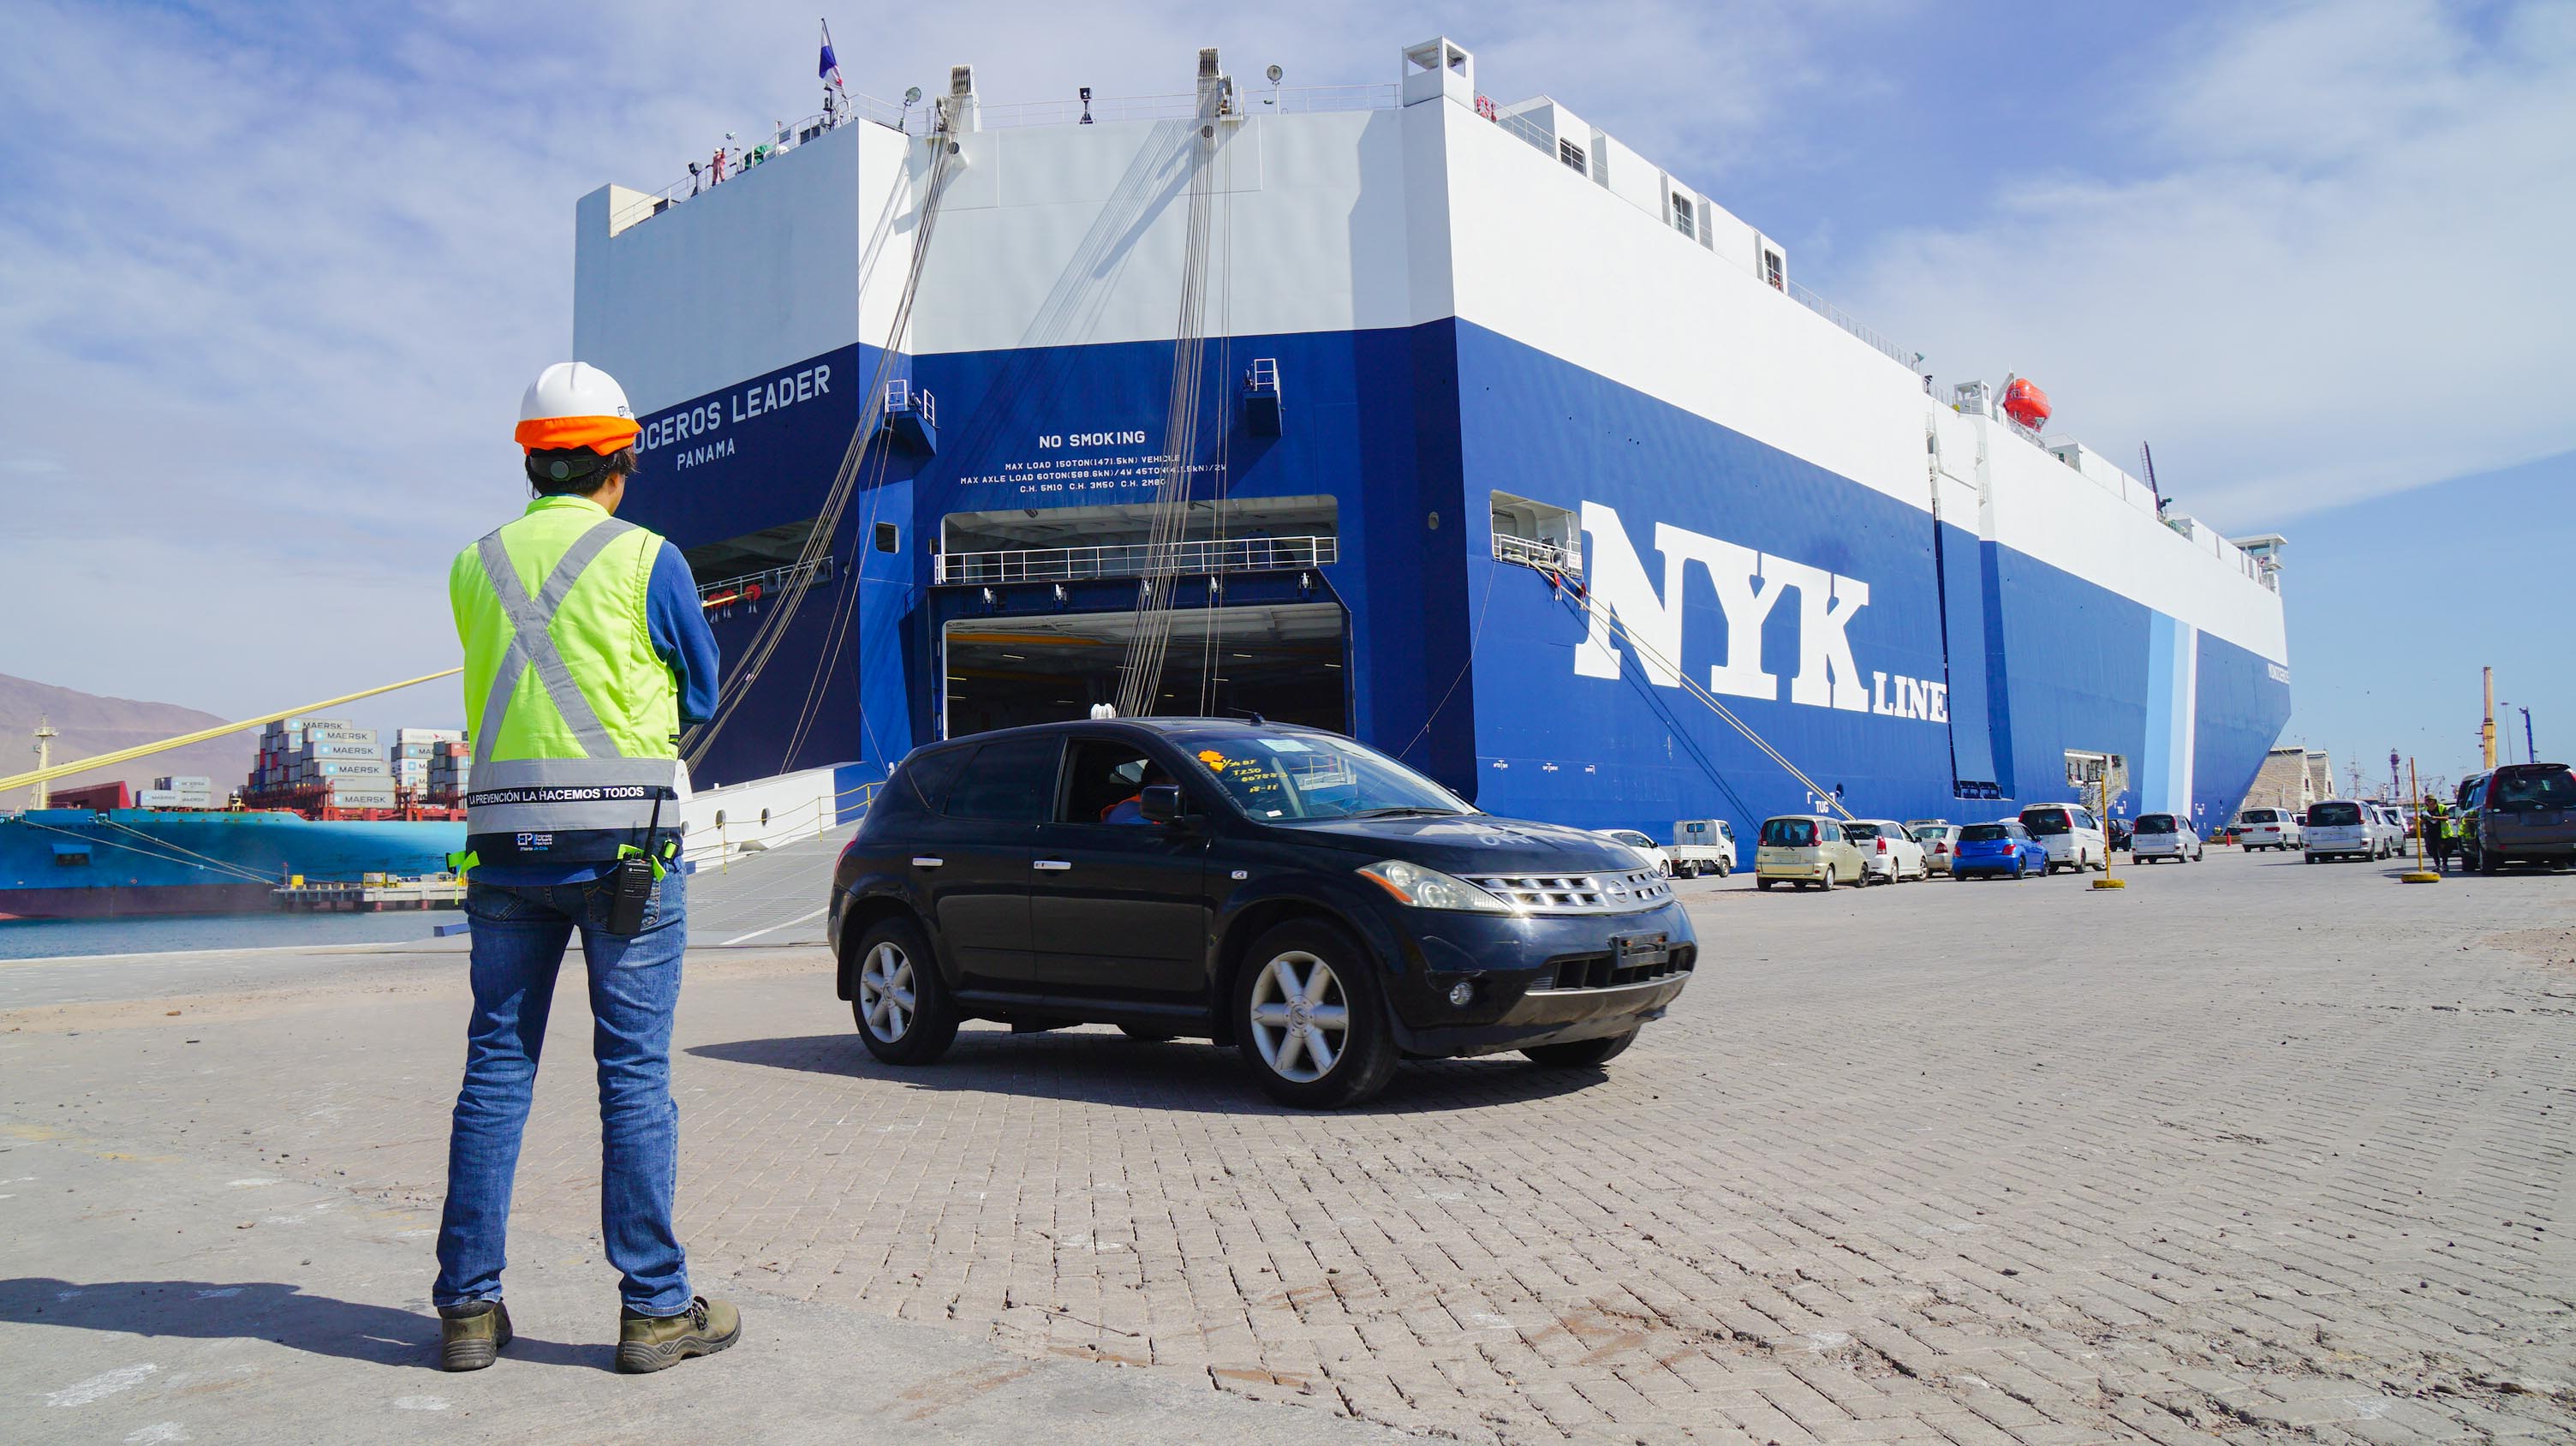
470,1335
659,1342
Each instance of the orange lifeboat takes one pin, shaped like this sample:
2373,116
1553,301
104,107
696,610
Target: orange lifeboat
2025,403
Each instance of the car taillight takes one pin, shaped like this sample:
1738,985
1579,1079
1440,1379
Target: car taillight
1940,848
1882,845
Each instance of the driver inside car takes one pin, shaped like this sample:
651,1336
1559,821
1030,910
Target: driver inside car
1131,809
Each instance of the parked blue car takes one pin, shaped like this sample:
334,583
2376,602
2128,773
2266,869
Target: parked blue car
2004,849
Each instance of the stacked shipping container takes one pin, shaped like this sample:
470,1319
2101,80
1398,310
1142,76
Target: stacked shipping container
310,763
432,762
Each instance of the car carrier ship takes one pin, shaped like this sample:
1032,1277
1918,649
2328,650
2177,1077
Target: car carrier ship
1454,425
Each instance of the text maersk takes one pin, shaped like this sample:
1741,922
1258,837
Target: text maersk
708,417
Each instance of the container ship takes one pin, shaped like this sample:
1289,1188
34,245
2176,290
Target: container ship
1455,425
327,801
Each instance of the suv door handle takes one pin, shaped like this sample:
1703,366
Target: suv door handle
925,861
1052,864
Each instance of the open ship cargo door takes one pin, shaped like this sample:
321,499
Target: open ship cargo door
1283,661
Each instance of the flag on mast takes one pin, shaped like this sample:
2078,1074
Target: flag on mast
828,69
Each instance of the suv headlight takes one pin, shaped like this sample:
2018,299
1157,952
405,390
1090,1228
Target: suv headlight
1431,889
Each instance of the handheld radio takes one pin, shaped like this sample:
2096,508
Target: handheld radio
631,886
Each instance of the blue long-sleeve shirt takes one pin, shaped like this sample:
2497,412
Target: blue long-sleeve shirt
677,625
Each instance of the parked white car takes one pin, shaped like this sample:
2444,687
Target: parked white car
2070,834
1703,846
2392,827
1940,840
2269,828
2163,836
2346,828
1888,853
1654,852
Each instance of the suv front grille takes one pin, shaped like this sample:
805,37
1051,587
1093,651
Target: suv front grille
1604,971
1577,893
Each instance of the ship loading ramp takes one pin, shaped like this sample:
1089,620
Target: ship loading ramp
1284,661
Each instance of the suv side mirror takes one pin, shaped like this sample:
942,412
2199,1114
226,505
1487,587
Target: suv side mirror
1160,803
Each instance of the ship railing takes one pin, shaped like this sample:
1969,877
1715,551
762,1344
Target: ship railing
766,585
1531,552
782,138
1888,346
1184,105
1135,559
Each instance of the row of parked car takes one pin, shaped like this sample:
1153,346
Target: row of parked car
2044,838
2516,813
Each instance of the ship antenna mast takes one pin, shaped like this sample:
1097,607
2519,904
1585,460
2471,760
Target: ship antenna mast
46,733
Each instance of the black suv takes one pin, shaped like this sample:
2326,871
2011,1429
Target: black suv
1282,889
2519,813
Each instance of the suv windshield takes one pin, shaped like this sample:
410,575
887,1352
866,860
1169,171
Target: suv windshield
1788,833
2334,815
1983,833
1285,776
2155,823
2045,820
2521,787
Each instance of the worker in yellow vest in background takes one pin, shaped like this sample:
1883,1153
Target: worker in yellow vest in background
586,652
2440,832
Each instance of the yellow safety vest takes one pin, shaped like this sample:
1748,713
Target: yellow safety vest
574,716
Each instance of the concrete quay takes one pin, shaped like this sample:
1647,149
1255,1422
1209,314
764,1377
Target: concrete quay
2248,1151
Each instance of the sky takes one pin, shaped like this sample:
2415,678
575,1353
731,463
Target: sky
272,277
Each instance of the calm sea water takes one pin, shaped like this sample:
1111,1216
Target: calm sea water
39,938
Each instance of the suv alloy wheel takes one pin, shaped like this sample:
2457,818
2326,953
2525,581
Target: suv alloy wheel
898,1000
1308,1018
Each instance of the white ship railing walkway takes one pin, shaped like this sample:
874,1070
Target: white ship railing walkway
1530,552
1132,559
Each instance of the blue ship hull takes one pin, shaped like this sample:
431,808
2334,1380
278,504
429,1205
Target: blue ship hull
1467,666
1420,323
67,863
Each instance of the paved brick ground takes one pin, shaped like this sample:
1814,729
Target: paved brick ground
2249,1150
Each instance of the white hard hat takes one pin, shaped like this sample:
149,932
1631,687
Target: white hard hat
575,404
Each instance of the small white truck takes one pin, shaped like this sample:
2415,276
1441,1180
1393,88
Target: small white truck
1702,846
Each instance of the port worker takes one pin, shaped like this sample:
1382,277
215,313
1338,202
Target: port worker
586,652
2440,831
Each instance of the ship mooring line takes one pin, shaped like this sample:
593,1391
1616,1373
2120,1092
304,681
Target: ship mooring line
1690,686
192,853
818,542
214,866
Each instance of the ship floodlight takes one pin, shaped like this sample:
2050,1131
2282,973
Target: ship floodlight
912,95
1276,74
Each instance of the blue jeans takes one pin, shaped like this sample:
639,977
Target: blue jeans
520,933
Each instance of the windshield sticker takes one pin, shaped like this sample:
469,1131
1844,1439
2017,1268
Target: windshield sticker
1284,745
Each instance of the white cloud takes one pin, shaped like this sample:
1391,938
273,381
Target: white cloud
274,283
2341,272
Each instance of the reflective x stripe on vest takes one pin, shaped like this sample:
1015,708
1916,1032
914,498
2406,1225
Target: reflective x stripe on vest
532,646
605,792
